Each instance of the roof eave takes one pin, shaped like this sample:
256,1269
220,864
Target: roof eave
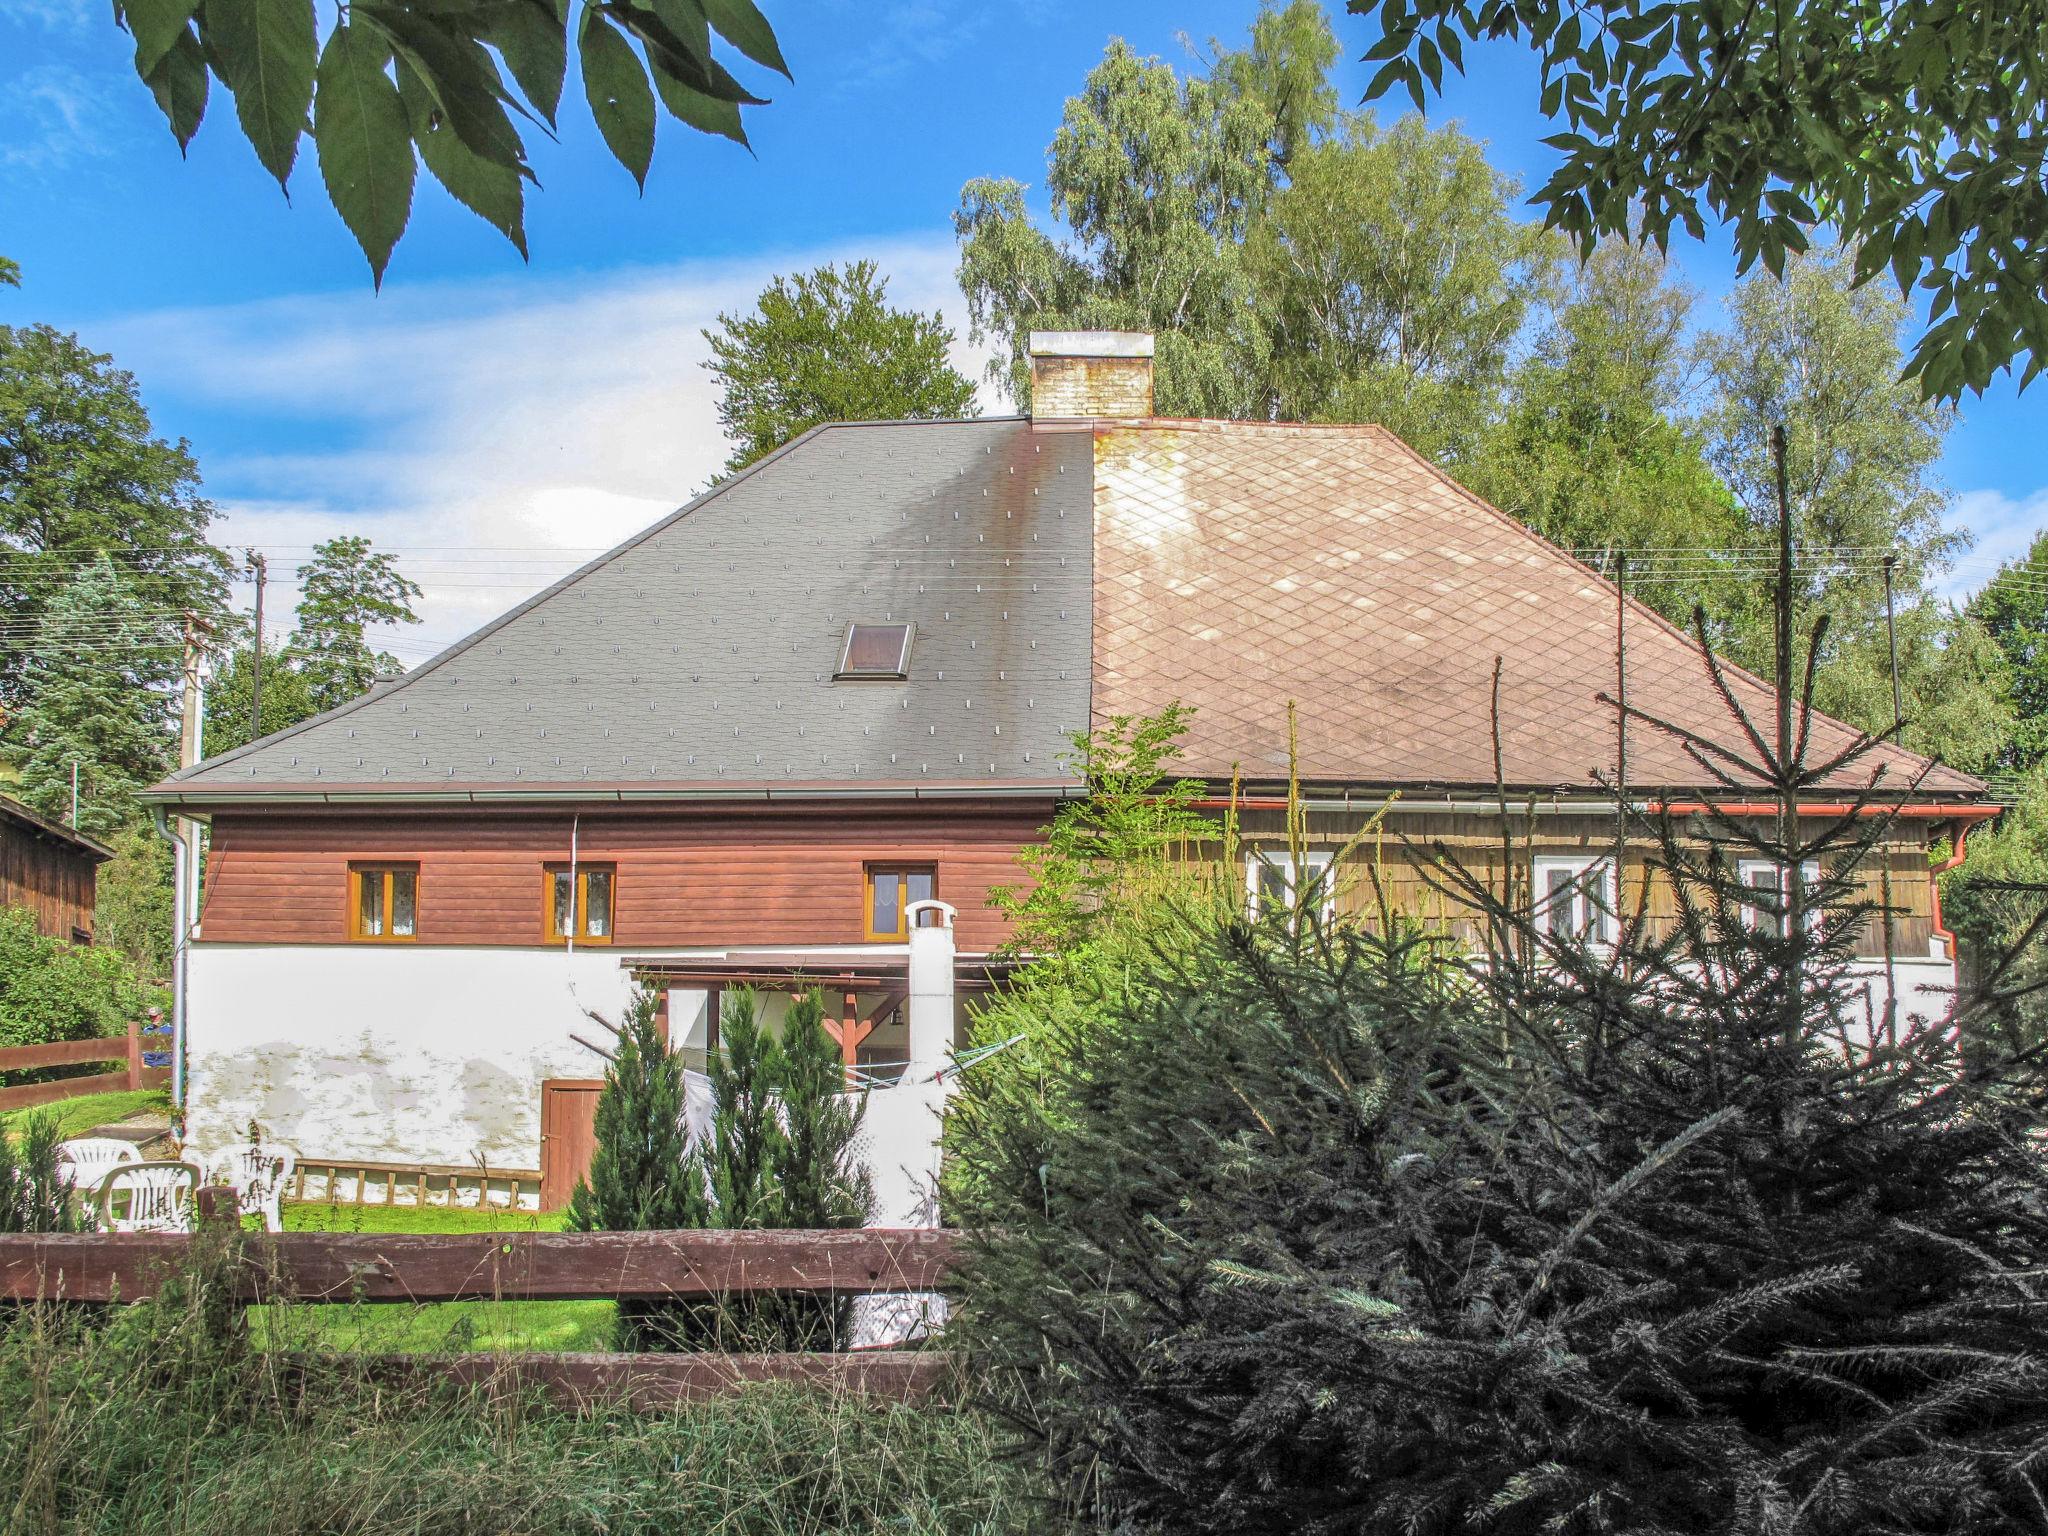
172,794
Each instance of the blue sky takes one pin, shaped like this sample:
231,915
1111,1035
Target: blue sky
496,419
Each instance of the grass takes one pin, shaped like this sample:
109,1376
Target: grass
317,1216
77,1116
430,1328
162,1420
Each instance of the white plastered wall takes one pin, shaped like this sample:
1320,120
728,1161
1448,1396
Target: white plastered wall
390,1053
407,1054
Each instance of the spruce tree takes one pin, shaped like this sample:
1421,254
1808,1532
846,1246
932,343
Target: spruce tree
643,1174
1659,1229
92,682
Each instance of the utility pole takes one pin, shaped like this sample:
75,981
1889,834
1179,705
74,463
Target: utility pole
1891,640
260,569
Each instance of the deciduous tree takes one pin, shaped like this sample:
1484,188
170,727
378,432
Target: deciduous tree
1816,353
345,590
1597,449
825,345
2013,608
288,696
398,79
1914,130
83,476
1290,261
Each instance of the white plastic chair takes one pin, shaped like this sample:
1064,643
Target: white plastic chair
89,1159
259,1171
148,1197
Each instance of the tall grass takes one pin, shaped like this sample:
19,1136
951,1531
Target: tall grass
169,1417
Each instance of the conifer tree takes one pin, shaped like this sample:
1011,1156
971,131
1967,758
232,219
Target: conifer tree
1647,1226
746,1143
91,681
643,1174
819,1183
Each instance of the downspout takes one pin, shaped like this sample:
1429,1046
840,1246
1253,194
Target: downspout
181,857
575,896
1954,859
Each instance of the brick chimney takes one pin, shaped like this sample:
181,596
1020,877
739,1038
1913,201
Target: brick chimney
1079,374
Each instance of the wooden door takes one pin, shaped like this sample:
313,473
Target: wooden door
568,1135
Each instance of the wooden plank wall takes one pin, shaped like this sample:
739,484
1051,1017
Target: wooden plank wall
693,876
1399,853
52,880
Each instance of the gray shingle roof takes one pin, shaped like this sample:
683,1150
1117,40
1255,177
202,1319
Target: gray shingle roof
699,655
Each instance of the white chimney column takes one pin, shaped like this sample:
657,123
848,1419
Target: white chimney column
931,987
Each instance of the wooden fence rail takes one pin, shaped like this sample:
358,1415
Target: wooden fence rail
489,1266
127,1050
532,1266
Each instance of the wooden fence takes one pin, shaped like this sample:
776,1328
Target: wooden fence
127,1050
378,1267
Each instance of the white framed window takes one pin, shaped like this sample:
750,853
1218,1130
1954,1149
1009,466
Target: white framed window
1271,878
1577,899
1769,875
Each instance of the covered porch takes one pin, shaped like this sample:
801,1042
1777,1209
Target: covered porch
866,995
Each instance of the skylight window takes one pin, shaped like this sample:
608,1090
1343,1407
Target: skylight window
876,650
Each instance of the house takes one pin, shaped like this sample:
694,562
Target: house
50,869
742,748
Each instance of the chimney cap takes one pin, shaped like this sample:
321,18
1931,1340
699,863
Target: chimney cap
1090,344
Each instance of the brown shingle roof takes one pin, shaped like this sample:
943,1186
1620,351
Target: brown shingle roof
1242,565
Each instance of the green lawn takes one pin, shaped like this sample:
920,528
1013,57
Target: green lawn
77,1116
392,1328
318,1216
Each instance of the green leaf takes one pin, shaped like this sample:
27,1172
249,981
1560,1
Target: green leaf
620,98
706,114
179,83
686,19
156,25
531,36
740,23
264,51
459,77
364,140
493,192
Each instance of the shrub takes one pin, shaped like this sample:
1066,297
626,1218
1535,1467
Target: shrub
35,1194
134,914
51,990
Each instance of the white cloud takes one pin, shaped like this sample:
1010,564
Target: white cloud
2001,529
50,116
495,435
56,15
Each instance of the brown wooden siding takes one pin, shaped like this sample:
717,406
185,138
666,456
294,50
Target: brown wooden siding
686,877
1398,854
52,879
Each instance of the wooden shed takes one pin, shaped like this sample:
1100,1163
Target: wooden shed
51,869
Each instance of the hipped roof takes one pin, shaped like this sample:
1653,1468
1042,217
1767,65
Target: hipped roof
1058,576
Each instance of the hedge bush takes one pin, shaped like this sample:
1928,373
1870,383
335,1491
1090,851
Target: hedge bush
51,990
